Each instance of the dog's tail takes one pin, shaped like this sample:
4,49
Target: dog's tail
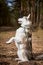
12,39
40,57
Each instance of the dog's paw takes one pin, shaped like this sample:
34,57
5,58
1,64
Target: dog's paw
8,42
16,59
22,61
19,62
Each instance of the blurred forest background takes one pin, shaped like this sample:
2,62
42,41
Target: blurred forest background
11,10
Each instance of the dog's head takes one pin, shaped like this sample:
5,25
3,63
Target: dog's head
24,21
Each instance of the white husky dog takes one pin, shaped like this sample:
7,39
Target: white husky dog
21,37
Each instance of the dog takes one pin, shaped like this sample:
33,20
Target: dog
22,39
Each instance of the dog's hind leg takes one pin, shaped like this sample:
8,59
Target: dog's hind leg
11,40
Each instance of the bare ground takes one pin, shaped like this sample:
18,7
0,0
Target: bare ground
8,51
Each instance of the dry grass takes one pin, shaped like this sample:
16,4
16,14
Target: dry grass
10,49
37,41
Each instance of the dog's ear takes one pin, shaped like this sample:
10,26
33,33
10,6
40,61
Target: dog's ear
28,16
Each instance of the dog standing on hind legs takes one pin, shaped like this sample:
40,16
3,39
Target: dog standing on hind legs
21,39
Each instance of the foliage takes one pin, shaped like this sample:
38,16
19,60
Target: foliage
8,17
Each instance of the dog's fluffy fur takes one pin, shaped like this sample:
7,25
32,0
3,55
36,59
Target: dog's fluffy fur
22,39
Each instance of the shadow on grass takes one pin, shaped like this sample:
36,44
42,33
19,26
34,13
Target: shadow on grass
4,63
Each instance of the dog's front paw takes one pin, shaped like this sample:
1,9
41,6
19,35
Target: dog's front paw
8,42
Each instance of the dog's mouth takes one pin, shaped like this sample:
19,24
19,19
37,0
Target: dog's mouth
20,22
